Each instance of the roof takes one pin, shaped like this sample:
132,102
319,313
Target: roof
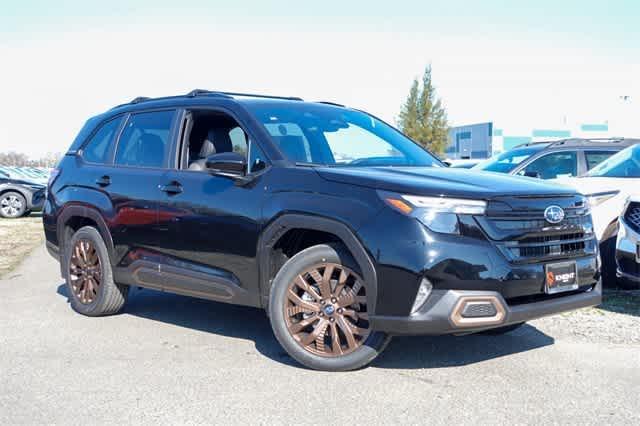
199,93
595,142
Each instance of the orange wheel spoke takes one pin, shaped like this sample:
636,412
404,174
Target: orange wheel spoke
334,321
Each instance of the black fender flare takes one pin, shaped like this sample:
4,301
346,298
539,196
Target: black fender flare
88,213
284,223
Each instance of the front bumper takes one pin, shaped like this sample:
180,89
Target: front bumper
627,259
439,315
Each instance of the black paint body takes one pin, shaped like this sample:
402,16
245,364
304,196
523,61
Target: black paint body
216,238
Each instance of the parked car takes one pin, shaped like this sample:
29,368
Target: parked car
25,174
551,160
338,225
628,245
607,187
19,197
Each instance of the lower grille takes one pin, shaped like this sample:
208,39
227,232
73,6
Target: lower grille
632,216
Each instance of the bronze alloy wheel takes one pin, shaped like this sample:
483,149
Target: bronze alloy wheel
326,310
84,271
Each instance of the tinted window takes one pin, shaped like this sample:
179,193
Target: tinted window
328,135
238,140
625,164
96,150
551,166
507,161
144,142
257,159
596,157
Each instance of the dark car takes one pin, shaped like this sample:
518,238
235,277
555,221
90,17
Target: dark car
19,197
551,160
344,230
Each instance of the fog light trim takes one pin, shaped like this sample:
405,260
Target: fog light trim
423,293
470,303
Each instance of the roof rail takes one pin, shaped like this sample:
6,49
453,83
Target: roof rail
139,99
203,92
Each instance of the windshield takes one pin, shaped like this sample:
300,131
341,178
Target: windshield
329,135
625,164
507,161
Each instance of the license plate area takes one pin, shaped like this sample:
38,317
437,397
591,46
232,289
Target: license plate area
561,276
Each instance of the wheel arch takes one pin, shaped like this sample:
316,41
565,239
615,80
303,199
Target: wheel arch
74,217
277,229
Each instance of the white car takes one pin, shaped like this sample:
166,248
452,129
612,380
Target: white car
607,186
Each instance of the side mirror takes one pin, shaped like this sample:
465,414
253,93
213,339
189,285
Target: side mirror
227,163
533,174
446,163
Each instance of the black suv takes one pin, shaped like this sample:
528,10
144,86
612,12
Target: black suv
342,228
551,160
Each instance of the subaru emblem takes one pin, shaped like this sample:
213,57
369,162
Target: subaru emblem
554,214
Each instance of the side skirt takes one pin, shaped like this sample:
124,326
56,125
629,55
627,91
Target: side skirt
215,285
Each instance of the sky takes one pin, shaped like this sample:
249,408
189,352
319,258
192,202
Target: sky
516,63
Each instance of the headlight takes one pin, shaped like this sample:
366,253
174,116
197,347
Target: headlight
439,214
600,197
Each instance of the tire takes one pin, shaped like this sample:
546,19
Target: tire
331,313
608,257
503,330
12,205
102,296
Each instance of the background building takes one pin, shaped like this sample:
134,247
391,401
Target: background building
483,140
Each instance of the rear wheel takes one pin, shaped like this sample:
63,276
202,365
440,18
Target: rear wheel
319,313
12,205
90,284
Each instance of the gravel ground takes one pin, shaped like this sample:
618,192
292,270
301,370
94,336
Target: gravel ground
616,320
176,360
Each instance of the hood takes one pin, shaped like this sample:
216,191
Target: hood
24,182
436,181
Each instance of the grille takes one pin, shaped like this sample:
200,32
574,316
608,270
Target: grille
524,236
632,216
479,310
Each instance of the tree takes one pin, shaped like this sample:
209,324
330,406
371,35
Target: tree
423,117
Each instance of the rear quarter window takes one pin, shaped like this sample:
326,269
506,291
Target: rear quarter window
96,149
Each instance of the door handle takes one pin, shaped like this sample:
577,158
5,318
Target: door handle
103,181
171,188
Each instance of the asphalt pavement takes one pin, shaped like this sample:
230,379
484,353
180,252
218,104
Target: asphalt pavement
174,359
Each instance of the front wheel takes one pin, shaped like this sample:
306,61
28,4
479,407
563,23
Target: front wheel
318,311
12,205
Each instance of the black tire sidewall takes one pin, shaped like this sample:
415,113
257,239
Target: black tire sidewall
96,307
331,253
24,204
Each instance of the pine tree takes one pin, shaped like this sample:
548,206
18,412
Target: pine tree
423,117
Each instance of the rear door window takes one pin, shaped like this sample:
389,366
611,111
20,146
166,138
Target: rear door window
554,165
596,157
96,149
145,140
